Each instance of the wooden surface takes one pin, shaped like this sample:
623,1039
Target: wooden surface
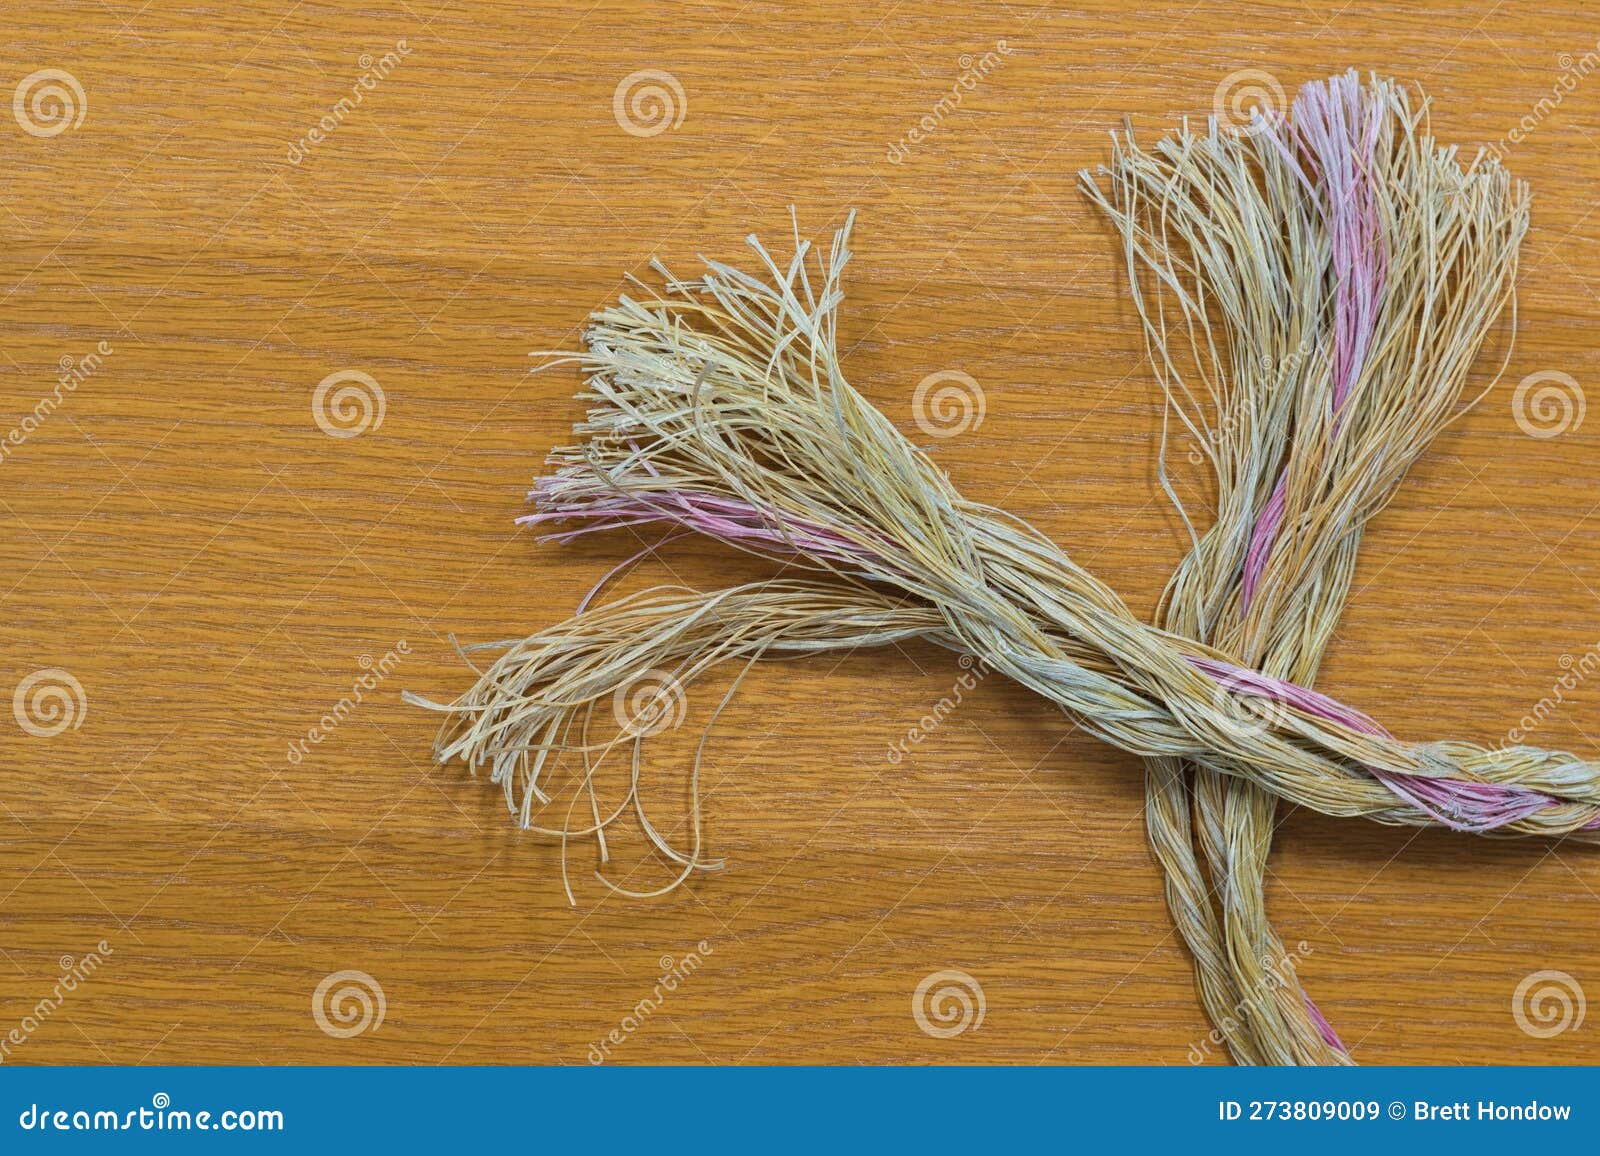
213,569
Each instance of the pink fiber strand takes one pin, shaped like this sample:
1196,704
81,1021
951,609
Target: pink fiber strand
1460,805
710,514
1341,153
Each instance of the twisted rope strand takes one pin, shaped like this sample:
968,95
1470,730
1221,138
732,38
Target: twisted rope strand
1335,276
1360,162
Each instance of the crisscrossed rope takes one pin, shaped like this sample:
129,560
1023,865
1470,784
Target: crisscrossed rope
1335,274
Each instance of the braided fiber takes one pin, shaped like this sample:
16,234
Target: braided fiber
1333,274
1334,308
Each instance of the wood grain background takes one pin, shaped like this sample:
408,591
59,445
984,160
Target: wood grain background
213,569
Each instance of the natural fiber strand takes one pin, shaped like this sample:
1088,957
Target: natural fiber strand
1331,325
1339,306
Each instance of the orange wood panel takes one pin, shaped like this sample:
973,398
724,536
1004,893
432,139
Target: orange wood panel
214,570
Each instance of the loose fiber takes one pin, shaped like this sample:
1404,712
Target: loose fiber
1312,290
